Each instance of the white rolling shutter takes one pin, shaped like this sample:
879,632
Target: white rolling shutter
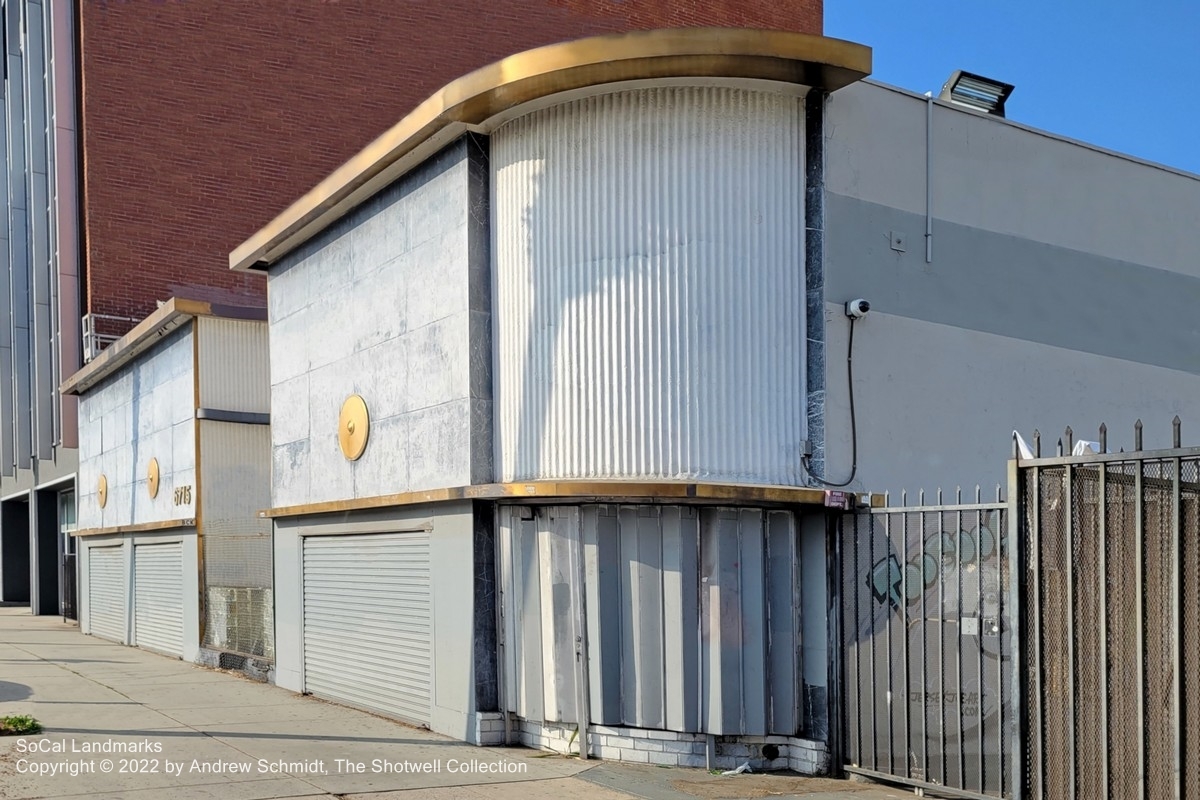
158,597
106,592
367,622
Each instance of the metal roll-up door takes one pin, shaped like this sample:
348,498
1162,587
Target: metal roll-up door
106,592
158,597
367,622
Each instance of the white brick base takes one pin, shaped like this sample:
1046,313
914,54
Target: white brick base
675,749
489,728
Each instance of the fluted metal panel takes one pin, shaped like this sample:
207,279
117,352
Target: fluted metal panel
649,295
233,363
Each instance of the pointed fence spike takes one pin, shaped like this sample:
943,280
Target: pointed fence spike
1137,435
1176,433
921,498
1070,434
939,496
1103,438
1060,450
904,497
978,493
999,493
1037,443
887,499
1016,451
958,494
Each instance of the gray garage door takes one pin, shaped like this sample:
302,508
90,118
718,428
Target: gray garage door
367,628
106,592
158,597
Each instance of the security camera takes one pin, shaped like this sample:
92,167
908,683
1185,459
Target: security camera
857,309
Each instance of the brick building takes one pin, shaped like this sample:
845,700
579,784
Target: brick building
144,140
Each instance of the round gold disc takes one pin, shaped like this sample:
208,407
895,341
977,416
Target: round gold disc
152,478
102,491
354,425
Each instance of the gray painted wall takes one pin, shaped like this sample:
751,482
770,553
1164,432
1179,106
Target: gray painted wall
382,305
1061,291
453,588
143,411
1003,177
937,404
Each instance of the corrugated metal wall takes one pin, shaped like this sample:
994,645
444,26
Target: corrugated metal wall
232,358
233,362
692,616
235,464
649,287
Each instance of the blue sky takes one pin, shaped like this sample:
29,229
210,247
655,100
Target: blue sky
1120,74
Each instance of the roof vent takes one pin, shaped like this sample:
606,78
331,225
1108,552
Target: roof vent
976,92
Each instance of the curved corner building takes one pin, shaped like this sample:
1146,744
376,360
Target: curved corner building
540,396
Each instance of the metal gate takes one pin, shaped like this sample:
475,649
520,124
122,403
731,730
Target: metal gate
106,592
1111,595
158,597
368,638
928,609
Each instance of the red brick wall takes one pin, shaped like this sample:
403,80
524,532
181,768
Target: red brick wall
202,120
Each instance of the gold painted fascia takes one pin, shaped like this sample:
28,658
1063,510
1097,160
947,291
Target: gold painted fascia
474,99
169,316
582,491
141,527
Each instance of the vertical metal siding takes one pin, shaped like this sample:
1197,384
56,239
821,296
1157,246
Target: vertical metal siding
691,617
65,230
44,385
233,363
784,610
603,594
641,600
649,292
238,576
7,452
368,632
554,539
107,598
158,597
681,616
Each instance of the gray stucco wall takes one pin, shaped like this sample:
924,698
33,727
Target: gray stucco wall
937,404
390,303
1061,291
144,411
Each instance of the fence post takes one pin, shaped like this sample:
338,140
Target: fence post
1016,581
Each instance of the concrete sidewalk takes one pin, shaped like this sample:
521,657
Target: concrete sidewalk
209,734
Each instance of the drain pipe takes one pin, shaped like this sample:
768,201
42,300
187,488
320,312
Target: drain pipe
929,177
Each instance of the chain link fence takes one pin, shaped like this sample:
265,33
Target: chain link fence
1110,592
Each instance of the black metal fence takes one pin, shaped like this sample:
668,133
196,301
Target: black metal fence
1110,591
929,682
